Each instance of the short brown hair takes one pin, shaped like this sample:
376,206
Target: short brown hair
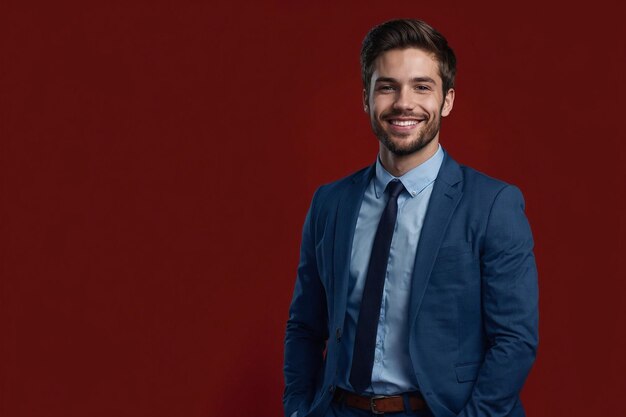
406,33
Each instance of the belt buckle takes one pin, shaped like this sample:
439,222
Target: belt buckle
373,404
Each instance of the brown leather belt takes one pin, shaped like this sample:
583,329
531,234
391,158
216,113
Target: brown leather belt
380,404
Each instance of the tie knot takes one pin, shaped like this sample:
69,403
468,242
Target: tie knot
394,188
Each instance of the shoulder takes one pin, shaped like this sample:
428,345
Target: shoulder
492,201
478,186
477,181
331,192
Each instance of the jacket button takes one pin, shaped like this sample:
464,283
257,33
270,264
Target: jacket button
338,334
331,389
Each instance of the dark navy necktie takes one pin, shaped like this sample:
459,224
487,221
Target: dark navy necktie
365,338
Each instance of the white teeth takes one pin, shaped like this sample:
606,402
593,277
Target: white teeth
403,122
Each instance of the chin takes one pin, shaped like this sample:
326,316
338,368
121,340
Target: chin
406,146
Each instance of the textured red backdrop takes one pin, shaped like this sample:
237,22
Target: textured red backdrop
157,160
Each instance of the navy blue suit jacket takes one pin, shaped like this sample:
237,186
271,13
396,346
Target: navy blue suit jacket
473,311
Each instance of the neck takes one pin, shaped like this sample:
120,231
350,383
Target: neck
398,165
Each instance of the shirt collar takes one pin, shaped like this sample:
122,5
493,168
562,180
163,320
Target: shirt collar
415,181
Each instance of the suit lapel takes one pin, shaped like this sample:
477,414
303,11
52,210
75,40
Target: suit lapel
347,215
443,200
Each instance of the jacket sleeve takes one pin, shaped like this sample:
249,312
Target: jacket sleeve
510,308
306,334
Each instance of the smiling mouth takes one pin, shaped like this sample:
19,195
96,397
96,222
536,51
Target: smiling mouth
403,126
404,122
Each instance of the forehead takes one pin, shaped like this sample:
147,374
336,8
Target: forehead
406,63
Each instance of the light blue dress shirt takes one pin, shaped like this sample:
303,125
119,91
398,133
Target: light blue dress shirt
392,372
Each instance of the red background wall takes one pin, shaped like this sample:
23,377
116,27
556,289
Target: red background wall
157,160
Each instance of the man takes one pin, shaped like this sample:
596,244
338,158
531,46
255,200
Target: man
416,291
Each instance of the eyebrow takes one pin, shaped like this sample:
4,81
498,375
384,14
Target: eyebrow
414,80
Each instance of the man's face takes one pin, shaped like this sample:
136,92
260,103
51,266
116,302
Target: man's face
406,101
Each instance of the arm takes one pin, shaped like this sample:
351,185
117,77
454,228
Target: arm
510,308
307,332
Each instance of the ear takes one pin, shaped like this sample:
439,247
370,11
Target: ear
366,106
448,103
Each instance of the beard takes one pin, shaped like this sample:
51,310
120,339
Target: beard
425,135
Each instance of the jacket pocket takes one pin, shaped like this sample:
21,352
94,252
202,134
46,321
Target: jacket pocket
453,257
467,372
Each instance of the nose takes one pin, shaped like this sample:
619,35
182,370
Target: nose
404,99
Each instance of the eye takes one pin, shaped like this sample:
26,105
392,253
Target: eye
422,87
386,88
